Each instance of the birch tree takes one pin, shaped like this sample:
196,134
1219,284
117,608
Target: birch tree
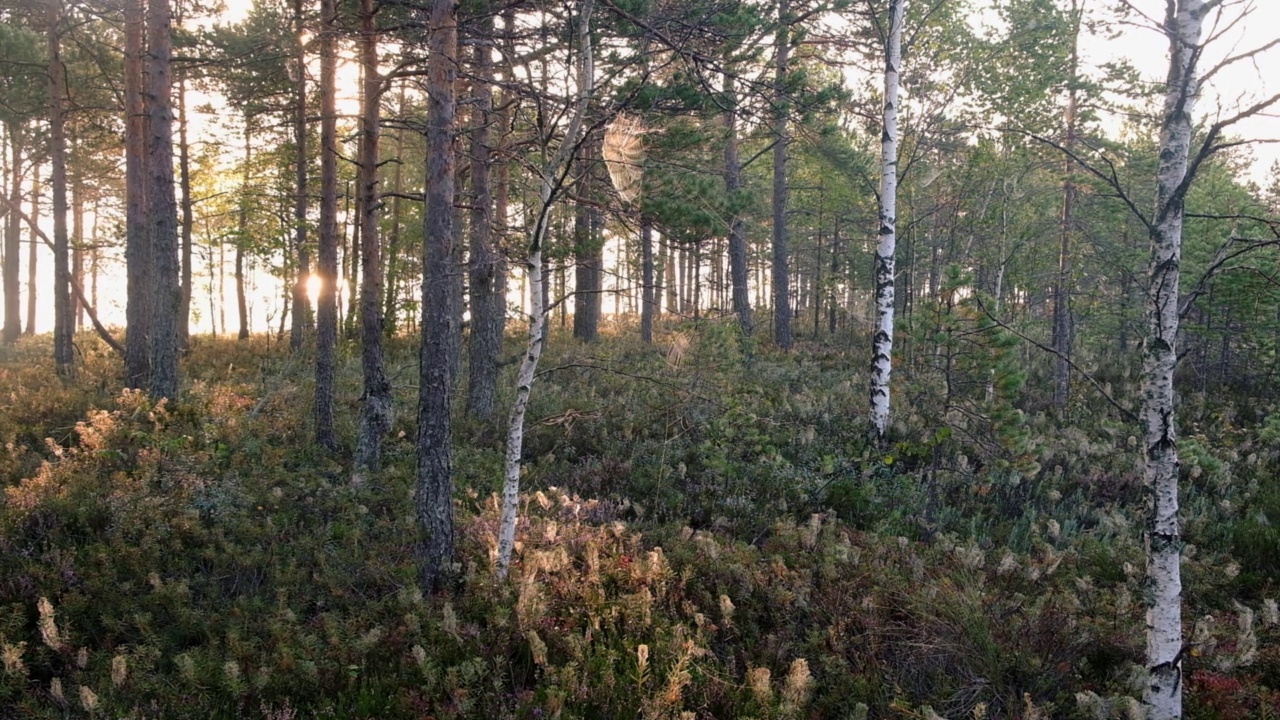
882,340
551,175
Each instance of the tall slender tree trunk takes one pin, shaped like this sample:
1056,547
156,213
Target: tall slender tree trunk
587,251
62,321
648,294
391,306
188,219
781,277
434,495
882,340
32,250
301,319
137,358
1163,696
327,269
161,207
376,407
242,235
13,240
76,181
1062,326
487,302
552,174
738,270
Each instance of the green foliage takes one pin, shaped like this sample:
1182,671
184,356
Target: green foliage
706,531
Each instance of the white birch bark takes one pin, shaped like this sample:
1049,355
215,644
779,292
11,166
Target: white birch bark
882,340
1163,696
552,175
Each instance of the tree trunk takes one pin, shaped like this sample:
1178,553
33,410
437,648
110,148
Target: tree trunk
12,241
391,306
552,174
882,340
161,207
376,407
781,278
327,256
188,221
242,235
32,253
434,495
588,253
1163,696
62,321
738,270
487,302
301,318
76,181
1062,330
137,358
648,297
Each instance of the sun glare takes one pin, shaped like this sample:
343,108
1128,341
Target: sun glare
314,283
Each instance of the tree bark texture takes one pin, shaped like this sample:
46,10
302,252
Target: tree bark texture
161,206
488,301
648,293
327,255
32,255
12,241
737,229
62,329
137,359
882,340
434,495
1163,696
376,407
588,251
781,277
301,318
188,219
1062,326
242,236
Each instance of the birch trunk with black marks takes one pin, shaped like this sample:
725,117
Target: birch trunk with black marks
882,340
376,406
434,494
553,174
1163,696
327,248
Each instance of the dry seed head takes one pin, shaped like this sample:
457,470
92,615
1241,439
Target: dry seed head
55,691
88,699
82,658
642,658
419,655
799,682
119,670
48,626
761,689
726,609
12,657
537,647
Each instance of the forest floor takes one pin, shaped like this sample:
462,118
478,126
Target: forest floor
706,533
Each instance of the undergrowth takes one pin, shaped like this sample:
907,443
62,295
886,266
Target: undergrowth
706,533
